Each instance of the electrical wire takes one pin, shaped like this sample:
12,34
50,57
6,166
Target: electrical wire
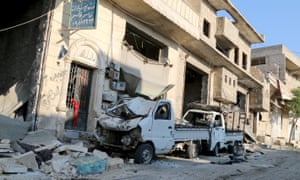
26,22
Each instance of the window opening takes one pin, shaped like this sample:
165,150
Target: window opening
163,112
206,28
236,56
258,61
244,61
145,44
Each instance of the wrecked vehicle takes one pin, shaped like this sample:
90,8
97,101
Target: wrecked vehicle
145,128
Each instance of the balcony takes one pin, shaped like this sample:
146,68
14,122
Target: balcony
260,98
227,33
225,86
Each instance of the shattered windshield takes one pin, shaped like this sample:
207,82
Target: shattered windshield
121,111
131,108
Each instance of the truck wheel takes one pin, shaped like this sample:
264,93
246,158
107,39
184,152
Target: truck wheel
193,150
238,149
235,148
144,154
216,150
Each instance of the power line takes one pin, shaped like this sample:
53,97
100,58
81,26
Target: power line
21,24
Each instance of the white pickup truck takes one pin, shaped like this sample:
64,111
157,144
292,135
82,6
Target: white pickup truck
143,128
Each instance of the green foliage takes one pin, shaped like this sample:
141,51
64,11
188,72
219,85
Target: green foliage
293,106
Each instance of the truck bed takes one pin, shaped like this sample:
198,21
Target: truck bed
234,136
186,133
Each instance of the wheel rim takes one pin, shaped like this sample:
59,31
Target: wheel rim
147,155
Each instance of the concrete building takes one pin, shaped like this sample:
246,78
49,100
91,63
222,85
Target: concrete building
95,51
281,69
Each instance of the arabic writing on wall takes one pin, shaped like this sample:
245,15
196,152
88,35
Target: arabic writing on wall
83,14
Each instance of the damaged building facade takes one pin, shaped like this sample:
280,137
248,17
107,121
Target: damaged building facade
281,71
93,52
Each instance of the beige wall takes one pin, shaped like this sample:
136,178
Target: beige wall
104,44
95,48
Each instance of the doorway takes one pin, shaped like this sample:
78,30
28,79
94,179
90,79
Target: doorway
195,88
78,96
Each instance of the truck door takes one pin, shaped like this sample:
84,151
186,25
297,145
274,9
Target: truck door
162,128
218,131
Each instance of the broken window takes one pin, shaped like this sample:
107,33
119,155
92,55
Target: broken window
145,44
163,112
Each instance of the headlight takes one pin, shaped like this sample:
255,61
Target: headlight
126,140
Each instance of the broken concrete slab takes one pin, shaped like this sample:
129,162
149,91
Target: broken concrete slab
58,162
29,175
13,129
114,163
40,137
29,160
5,141
100,154
14,169
4,146
71,148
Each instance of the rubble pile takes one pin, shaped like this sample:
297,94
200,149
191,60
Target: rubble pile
39,155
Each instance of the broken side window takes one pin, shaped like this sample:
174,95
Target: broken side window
163,112
145,44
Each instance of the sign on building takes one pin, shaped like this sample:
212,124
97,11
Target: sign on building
83,14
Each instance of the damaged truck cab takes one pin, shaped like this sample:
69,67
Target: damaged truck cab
138,126
144,128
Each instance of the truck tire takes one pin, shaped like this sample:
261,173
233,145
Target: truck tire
144,154
216,150
238,149
193,150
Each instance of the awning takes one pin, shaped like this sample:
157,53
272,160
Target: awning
152,90
284,92
145,87
149,79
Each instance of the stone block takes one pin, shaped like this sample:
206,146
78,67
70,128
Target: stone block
28,160
14,169
100,154
58,162
4,146
114,163
5,141
71,148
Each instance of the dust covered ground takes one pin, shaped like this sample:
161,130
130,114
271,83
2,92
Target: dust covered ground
282,163
275,163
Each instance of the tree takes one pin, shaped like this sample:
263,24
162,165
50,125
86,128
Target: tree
293,106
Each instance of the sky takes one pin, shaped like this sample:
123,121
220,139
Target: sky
277,20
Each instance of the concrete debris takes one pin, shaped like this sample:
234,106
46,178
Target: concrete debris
39,155
12,129
71,147
58,162
14,169
100,154
29,160
40,138
114,163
